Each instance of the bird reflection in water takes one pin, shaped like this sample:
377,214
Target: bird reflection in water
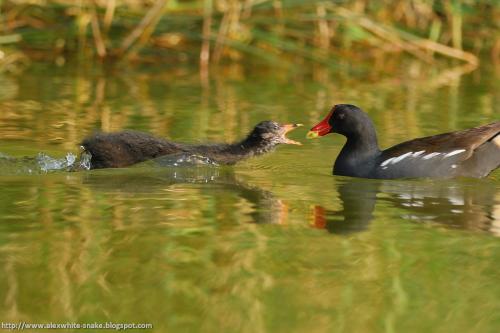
263,207
461,204
358,199
464,204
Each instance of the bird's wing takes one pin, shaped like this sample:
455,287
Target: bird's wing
442,154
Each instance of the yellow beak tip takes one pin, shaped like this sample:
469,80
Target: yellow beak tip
312,135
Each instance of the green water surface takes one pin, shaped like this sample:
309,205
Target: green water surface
274,244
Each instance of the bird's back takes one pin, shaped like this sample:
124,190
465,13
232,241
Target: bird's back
121,149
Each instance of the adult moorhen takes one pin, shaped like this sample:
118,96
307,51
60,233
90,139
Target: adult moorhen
121,149
472,152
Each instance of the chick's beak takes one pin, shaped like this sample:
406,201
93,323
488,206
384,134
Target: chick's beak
287,128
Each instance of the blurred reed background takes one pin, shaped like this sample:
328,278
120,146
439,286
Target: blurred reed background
276,32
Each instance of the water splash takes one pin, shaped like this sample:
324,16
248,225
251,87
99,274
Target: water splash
83,163
183,160
42,163
47,163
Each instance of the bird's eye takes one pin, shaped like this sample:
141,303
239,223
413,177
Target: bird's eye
341,116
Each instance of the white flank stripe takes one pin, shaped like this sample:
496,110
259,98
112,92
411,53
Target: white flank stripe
400,158
396,159
458,151
384,163
431,155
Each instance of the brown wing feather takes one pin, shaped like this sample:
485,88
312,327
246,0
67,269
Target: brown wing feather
468,139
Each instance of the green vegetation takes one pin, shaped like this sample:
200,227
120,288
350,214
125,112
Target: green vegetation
273,31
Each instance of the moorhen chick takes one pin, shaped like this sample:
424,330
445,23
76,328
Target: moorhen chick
472,152
122,149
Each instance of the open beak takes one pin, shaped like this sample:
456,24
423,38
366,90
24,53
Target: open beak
322,128
287,128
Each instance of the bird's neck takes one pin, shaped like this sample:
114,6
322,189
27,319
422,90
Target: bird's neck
234,152
362,144
357,154
250,147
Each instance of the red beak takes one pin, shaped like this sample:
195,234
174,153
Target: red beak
322,128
